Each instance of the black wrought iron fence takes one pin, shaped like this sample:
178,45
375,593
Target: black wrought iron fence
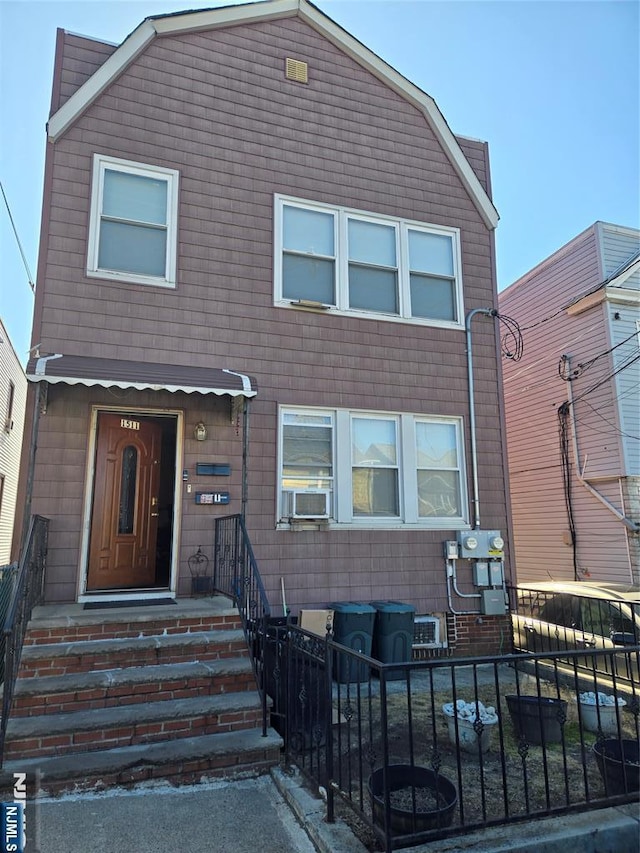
8,575
559,619
236,575
427,749
26,594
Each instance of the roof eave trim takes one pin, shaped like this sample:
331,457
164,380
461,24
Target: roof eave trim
408,90
232,15
139,386
223,17
100,79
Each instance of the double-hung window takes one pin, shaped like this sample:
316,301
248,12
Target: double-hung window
307,464
371,469
133,229
362,264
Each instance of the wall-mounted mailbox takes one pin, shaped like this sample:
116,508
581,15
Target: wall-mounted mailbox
213,469
212,498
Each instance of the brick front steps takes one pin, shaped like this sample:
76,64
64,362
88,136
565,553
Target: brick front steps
118,696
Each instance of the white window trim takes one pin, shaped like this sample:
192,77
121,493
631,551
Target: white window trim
402,227
342,514
102,162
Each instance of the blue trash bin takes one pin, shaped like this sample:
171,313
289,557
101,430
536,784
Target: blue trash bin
393,634
352,627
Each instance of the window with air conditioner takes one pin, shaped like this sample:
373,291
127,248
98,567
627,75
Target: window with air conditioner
371,469
426,632
307,464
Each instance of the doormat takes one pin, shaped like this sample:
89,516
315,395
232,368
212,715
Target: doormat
137,602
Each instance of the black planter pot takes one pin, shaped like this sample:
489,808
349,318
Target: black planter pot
404,821
538,719
201,585
619,765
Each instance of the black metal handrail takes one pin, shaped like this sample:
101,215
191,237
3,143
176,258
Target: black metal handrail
236,574
27,593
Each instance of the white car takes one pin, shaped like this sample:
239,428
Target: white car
558,616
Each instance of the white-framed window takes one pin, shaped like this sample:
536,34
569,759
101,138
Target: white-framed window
371,469
134,221
358,263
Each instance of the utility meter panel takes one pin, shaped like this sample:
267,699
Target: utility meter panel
481,544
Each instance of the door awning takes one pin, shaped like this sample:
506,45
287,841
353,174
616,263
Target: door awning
144,375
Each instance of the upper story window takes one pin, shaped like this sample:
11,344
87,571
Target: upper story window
133,229
357,263
371,469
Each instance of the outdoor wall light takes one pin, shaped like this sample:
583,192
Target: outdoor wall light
200,431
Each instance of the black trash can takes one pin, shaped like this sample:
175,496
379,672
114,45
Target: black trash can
352,627
393,634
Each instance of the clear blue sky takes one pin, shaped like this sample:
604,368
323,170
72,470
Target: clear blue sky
552,86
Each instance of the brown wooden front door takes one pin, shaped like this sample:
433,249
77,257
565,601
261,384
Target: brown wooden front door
124,517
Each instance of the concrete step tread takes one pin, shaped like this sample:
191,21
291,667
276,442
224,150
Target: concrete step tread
99,719
110,645
81,765
48,684
73,615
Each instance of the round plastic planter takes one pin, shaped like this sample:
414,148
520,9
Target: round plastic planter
467,735
443,793
619,765
602,716
537,719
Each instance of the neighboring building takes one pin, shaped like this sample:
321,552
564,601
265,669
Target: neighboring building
573,411
258,234
13,393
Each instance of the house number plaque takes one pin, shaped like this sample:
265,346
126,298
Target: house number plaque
127,424
212,498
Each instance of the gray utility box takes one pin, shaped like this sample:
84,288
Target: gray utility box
493,603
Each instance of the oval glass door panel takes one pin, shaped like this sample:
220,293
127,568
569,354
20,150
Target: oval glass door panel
128,481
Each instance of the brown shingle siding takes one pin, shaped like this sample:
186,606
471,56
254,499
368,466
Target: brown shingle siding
217,107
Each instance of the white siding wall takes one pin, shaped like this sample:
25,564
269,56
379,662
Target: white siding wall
625,337
10,437
617,245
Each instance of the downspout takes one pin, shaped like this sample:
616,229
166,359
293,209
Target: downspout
489,312
634,526
245,449
33,447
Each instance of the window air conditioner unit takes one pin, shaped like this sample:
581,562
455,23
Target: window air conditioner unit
311,504
426,632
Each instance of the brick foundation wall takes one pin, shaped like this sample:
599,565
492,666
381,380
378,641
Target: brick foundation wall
476,635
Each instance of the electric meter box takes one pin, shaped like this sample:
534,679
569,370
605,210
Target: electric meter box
493,603
480,544
481,573
496,574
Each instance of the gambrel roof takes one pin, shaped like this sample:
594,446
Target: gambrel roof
227,16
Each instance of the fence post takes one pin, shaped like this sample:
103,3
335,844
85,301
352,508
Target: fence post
328,688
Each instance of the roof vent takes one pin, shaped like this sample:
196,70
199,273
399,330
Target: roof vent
296,69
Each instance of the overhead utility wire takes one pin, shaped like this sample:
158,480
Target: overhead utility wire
15,231
511,342
607,378
623,266
583,366
614,429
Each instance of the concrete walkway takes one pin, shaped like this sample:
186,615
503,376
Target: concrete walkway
275,814
221,817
